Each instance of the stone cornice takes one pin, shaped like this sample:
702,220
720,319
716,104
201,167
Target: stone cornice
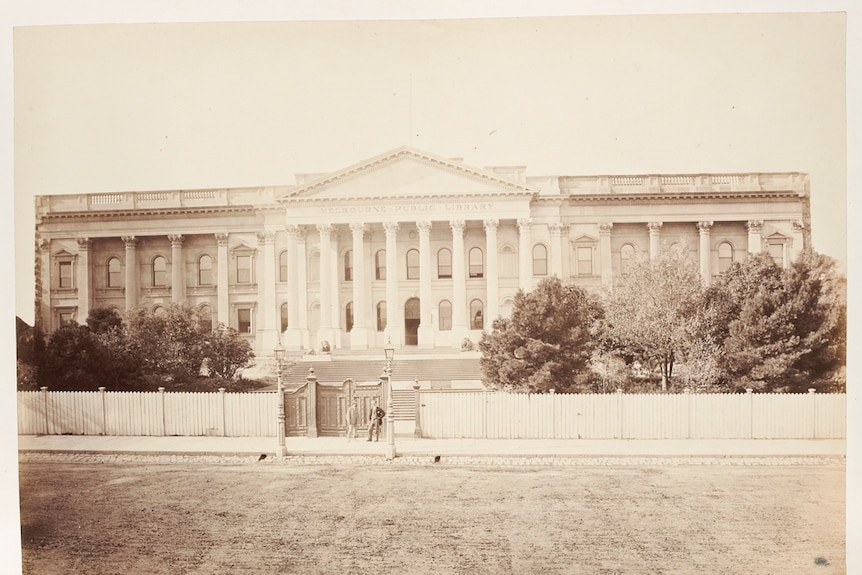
671,197
138,214
382,160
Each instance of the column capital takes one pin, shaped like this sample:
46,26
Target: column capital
295,231
704,226
605,228
266,237
491,224
221,239
798,225
524,223
654,227
390,227
130,241
357,228
754,226
457,226
556,228
176,240
324,229
84,244
45,245
424,226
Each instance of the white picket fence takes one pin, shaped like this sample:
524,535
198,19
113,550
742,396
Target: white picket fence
637,416
453,414
146,413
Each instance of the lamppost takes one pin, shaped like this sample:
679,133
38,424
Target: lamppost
279,359
390,422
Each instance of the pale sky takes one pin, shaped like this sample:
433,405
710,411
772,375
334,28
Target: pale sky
146,107
165,106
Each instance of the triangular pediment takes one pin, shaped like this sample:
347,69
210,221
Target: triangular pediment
407,173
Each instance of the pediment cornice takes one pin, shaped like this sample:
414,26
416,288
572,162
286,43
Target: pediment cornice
500,185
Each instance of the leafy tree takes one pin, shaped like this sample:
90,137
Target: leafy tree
225,352
103,319
71,359
654,311
789,332
545,344
168,342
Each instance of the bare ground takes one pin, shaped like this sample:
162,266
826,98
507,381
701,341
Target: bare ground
209,519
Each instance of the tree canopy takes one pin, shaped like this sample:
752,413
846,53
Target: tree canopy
545,344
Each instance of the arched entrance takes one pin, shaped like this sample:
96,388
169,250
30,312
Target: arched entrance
411,321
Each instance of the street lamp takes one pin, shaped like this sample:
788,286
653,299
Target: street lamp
279,359
389,351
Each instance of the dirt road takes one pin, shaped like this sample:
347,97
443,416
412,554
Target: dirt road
102,519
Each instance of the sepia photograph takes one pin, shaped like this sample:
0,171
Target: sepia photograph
495,289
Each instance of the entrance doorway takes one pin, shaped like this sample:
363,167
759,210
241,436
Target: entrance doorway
411,321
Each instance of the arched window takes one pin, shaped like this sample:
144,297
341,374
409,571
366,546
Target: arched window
115,273
725,256
380,265
477,318
445,315
413,264
284,318
444,263
381,316
159,311
205,270
160,271
477,263
348,316
508,306
348,265
540,260
282,266
205,318
507,262
627,258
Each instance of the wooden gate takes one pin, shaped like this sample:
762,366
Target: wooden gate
296,412
332,402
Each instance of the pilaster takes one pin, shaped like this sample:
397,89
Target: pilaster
605,256
178,267
293,336
704,228
459,281
131,243
359,335
325,331
394,311
426,330
83,278
525,254
492,283
654,239
222,281
755,240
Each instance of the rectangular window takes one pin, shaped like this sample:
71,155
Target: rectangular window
585,261
243,320
776,252
66,275
243,269
66,318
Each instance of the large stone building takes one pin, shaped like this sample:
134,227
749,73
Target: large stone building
407,247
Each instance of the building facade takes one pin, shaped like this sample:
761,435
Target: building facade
407,247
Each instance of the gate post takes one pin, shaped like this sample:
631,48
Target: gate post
811,392
104,412
311,407
44,391
221,391
417,431
162,402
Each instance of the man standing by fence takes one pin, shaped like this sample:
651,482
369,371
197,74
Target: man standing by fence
375,420
351,419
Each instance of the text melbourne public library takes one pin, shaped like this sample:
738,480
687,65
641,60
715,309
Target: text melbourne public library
407,247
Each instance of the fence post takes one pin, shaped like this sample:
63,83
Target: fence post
417,429
223,414
687,392
311,406
811,392
620,411
104,412
162,395
750,395
44,391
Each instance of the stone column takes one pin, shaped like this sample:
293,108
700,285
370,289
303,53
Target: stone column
704,228
178,269
359,335
755,241
459,282
302,300
269,309
293,334
492,284
394,316
798,244
131,243
222,281
325,246
426,330
43,286
654,239
83,278
525,254
556,230
605,256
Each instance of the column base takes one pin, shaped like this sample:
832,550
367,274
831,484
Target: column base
425,335
294,339
390,452
359,338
